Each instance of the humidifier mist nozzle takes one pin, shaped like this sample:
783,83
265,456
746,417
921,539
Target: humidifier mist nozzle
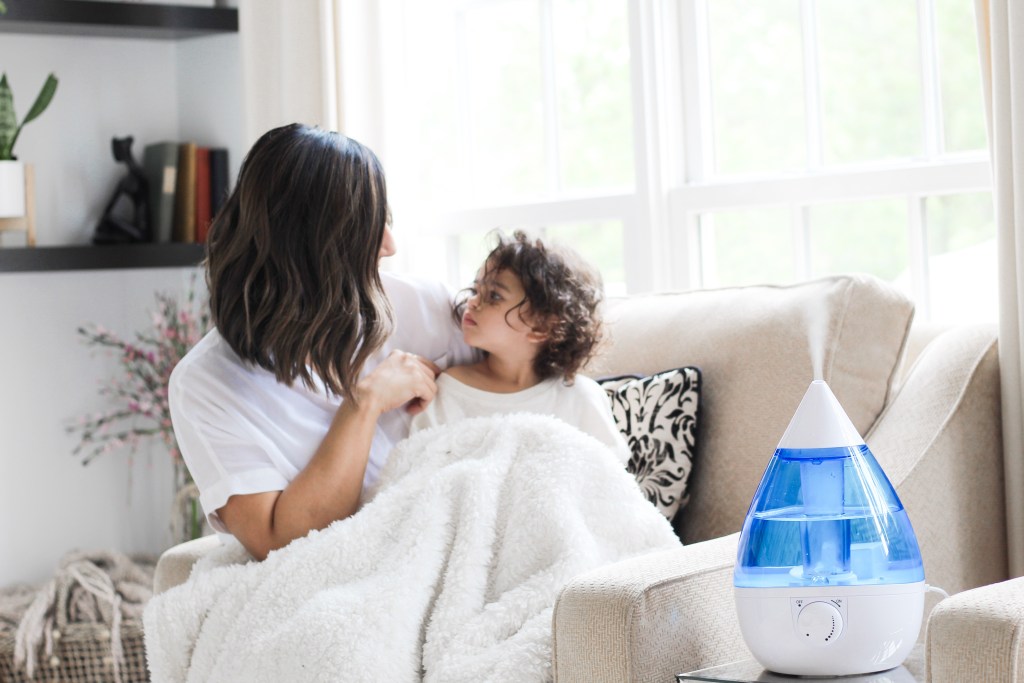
820,422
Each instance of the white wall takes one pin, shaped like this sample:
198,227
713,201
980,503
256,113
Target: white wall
210,95
153,90
194,89
49,502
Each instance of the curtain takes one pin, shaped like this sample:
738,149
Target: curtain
1000,26
353,69
282,48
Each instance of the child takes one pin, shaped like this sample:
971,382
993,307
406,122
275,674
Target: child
532,310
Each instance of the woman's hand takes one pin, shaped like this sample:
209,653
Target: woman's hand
402,379
330,485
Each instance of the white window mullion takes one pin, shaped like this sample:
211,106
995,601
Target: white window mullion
917,224
696,73
709,256
617,207
453,257
691,235
931,91
680,235
848,185
550,96
800,221
813,112
464,142
693,121
646,254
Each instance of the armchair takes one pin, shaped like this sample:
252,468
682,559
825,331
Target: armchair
934,428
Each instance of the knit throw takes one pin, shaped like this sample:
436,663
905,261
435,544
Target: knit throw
448,574
103,588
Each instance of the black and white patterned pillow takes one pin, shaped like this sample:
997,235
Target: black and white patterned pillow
658,415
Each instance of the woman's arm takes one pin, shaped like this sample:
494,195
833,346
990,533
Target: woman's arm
329,487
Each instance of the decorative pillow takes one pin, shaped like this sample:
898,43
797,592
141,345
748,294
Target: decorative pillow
658,415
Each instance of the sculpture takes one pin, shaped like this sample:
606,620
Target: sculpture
115,227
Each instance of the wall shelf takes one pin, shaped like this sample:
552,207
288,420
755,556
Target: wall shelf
109,20
87,257
116,19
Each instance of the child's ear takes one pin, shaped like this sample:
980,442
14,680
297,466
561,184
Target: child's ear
537,335
541,330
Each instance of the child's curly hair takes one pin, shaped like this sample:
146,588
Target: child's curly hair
562,295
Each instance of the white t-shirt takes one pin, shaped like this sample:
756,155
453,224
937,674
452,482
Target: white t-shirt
241,431
584,405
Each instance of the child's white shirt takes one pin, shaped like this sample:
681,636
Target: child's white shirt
584,405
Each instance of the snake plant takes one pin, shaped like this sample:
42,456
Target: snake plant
9,126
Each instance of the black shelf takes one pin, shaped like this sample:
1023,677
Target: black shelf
111,257
116,19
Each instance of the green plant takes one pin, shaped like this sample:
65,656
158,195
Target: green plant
9,126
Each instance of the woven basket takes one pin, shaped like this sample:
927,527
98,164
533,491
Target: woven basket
81,653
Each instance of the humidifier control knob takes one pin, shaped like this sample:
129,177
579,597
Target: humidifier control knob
819,623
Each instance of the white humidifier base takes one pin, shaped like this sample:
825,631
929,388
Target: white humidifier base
831,630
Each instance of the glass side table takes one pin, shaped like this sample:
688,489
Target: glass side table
749,671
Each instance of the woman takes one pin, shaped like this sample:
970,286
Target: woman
290,406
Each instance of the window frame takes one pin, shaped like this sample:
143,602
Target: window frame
702,191
674,182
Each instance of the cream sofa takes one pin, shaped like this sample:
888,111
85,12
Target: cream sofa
934,426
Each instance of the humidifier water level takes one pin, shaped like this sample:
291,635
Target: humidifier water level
828,577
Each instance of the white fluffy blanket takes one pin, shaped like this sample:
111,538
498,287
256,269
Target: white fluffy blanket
448,573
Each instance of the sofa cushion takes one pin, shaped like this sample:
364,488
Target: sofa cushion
658,416
754,346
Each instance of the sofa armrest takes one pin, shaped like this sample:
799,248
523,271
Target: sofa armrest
175,564
650,617
939,440
978,635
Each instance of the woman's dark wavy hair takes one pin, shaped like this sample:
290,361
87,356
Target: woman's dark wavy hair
292,258
562,296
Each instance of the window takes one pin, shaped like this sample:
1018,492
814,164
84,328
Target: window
695,143
827,136
514,113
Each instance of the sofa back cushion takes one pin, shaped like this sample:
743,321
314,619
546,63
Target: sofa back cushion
754,347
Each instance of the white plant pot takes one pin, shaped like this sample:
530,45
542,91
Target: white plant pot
12,189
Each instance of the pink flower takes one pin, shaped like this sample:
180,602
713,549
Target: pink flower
146,364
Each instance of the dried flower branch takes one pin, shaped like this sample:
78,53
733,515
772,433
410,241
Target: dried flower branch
140,393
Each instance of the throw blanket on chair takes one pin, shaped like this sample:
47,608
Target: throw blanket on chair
449,572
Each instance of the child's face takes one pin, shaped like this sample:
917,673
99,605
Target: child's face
489,322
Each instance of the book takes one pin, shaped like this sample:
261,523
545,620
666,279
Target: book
160,164
202,204
218,179
185,194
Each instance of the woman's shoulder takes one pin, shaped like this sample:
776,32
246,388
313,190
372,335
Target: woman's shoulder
207,352
211,365
423,310
414,290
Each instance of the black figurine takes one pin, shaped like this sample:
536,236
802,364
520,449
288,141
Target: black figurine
125,226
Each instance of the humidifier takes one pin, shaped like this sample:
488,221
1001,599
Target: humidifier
828,578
